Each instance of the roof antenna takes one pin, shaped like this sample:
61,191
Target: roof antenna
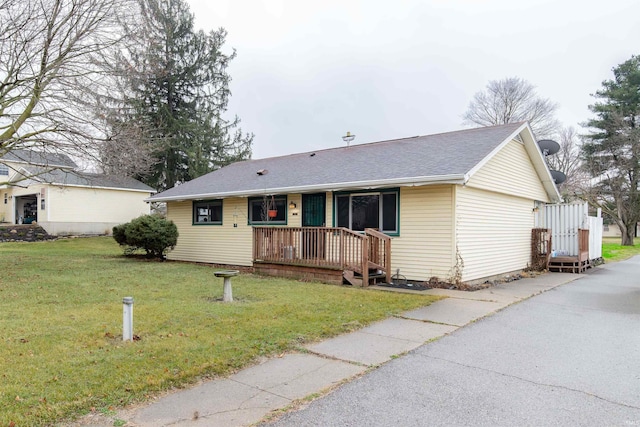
348,138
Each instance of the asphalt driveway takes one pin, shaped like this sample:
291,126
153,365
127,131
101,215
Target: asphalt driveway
570,356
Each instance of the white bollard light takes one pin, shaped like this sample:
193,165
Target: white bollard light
127,319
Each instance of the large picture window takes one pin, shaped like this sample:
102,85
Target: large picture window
207,212
270,210
358,211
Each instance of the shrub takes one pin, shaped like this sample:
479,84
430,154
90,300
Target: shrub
118,234
153,234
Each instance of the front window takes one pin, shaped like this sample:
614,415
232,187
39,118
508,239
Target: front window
268,210
4,170
207,212
358,211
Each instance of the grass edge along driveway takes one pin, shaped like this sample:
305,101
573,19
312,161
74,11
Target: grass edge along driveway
613,251
62,353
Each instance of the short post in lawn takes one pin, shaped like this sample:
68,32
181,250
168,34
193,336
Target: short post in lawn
127,319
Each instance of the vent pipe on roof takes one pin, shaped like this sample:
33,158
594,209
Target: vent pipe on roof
348,138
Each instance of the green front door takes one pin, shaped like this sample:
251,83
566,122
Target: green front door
313,215
313,210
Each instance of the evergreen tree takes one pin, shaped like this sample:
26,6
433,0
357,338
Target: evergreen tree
177,90
612,150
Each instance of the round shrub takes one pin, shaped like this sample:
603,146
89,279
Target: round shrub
152,233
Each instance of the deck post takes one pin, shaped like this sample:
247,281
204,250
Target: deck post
365,261
387,259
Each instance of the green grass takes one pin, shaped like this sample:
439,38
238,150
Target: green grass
62,353
613,251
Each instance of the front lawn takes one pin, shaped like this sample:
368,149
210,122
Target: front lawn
613,251
62,353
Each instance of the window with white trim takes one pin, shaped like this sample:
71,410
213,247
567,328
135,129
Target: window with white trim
379,210
4,169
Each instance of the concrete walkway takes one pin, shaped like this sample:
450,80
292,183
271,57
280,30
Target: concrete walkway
248,396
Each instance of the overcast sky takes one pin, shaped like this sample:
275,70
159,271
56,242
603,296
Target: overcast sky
308,71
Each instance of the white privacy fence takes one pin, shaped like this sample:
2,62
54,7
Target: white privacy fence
564,220
595,236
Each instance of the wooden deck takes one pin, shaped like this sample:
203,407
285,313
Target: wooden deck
569,264
328,254
573,263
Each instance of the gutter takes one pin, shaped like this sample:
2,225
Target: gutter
355,185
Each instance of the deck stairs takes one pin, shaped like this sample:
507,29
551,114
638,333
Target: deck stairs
375,276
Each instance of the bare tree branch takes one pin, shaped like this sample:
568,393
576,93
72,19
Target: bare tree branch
47,51
569,161
512,100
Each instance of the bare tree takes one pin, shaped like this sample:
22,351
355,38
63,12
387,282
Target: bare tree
125,151
512,100
569,161
46,68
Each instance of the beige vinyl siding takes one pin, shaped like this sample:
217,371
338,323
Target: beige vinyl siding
94,205
221,244
294,216
424,248
493,232
79,210
215,244
14,173
5,209
510,171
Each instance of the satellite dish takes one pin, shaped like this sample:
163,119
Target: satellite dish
548,147
558,177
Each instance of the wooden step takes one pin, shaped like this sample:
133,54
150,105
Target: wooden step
350,277
356,279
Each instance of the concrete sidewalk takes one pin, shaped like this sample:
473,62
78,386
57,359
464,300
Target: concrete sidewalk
248,396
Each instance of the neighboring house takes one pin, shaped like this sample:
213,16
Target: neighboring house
46,188
455,206
612,230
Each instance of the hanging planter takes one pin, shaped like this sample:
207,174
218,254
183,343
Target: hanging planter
270,208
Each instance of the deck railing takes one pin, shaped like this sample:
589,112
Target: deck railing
379,251
324,247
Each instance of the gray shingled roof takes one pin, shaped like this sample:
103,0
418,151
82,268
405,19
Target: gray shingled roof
40,158
445,157
66,177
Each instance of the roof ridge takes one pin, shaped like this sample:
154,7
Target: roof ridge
473,129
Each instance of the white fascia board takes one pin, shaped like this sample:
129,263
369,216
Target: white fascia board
40,165
536,156
94,187
339,186
540,165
